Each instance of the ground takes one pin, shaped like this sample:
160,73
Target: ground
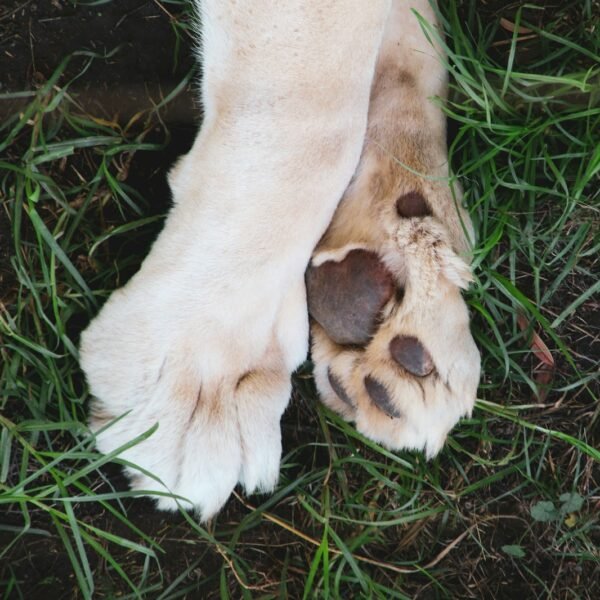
510,508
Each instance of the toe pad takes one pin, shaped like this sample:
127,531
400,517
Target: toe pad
380,397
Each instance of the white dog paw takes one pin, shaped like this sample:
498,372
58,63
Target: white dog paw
213,372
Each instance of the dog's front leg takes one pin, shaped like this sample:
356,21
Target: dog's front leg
204,337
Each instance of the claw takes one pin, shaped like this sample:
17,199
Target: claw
379,394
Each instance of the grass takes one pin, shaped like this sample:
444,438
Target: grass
511,505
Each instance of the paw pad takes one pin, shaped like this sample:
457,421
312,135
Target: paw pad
346,297
412,204
411,355
380,397
338,388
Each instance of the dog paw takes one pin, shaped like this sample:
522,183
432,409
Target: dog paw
208,362
391,342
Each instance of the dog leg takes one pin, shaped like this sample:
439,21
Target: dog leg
204,337
391,341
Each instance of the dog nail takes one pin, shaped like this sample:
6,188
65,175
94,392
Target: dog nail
346,297
411,355
379,394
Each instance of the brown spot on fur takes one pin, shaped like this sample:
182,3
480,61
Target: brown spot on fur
346,297
245,377
390,76
405,78
213,405
380,397
338,388
412,205
411,355
135,481
99,417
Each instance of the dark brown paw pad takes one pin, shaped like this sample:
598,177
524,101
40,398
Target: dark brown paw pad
380,397
411,355
338,388
412,205
346,297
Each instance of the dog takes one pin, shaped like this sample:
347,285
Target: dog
317,185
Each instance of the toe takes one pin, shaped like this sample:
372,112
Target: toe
334,367
339,389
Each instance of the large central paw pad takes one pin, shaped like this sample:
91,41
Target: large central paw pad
347,297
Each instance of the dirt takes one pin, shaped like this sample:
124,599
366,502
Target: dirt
136,37
143,64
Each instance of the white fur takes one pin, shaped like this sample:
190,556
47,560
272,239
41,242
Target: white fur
204,337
